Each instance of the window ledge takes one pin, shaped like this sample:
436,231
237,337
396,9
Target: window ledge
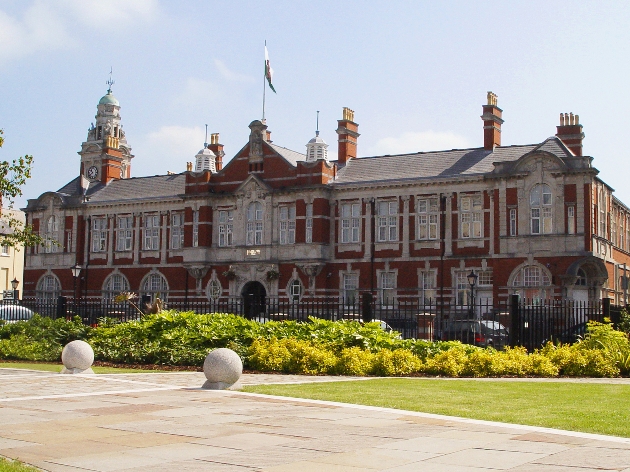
150,254
427,244
347,247
384,246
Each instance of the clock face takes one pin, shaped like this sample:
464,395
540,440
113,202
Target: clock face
92,172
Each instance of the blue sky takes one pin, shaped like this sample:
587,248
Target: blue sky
416,73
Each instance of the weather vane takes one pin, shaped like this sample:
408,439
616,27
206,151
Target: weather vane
110,82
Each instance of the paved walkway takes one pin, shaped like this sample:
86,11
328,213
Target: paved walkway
164,422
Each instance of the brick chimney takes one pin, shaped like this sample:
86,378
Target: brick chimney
491,123
570,132
217,149
347,130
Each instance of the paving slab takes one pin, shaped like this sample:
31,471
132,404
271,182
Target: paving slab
164,421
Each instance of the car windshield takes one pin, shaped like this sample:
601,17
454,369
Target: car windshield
493,327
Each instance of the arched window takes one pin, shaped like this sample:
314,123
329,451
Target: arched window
540,201
114,284
213,290
533,283
48,288
155,285
295,290
254,224
51,237
581,278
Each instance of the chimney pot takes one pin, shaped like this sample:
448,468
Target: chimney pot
570,132
348,132
492,122
217,149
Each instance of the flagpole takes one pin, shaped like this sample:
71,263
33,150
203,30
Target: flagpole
264,88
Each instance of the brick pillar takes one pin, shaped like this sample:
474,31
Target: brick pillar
347,130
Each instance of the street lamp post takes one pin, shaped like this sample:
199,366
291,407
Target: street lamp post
472,280
14,285
76,271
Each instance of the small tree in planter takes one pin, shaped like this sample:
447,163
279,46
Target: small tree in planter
273,274
230,274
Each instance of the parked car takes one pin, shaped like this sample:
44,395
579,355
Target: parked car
482,333
15,313
569,336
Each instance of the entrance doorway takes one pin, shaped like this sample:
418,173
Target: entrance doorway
254,295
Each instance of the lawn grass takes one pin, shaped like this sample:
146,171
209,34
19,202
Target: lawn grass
57,368
7,465
586,407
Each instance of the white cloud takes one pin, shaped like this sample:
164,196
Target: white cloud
197,92
49,26
167,149
231,75
40,28
420,141
111,13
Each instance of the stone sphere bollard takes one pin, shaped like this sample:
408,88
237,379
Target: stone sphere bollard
77,357
222,368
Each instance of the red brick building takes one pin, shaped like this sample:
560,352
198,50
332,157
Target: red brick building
532,219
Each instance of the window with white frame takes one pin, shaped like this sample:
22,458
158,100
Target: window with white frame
471,216
533,284
540,202
602,213
613,227
50,238
484,278
513,222
177,230
350,287
213,291
155,285
387,221
428,218
48,288
5,250
99,234
427,284
295,290
152,232
254,224
350,222
69,240
571,220
621,232
114,285
226,226
387,288
124,233
195,229
287,224
309,223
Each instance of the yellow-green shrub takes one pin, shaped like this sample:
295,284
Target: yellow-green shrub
308,358
448,363
355,361
576,360
398,362
483,363
269,355
542,366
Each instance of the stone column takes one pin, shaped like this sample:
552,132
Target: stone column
448,224
367,226
136,237
164,237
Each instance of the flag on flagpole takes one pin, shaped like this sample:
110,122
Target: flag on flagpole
268,70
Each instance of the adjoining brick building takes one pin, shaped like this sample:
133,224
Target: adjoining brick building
532,219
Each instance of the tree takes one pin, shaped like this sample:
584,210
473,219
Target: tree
13,175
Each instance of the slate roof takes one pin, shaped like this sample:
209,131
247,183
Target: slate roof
427,165
291,156
134,189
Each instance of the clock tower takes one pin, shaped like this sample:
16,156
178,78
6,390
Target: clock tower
105,154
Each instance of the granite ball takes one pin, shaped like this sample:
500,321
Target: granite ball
77,357
222,367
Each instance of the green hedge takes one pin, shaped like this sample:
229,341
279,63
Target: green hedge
314,347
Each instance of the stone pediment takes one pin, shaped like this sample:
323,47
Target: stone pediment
253,187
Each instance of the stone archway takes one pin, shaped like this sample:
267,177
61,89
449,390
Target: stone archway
254,297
